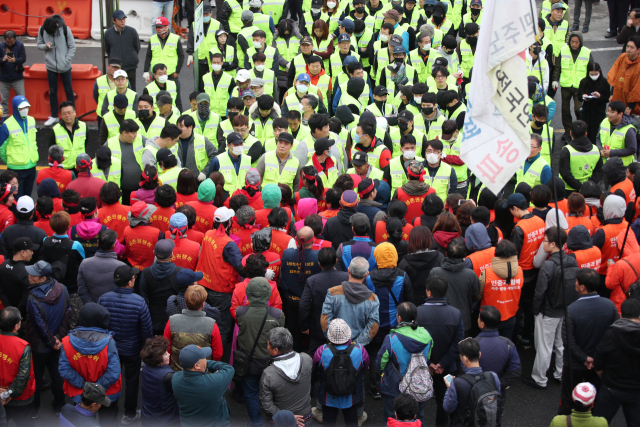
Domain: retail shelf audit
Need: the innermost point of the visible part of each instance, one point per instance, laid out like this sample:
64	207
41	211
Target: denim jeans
52	76
251	385
160	8
609	400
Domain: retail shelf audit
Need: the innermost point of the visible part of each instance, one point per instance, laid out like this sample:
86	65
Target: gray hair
312	101
281	339
359	267
424	34
537	138
56	153
429	29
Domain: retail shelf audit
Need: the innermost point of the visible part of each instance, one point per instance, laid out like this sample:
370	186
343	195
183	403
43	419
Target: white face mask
302	88
418	99
594	77
433	158
163	79
216	67
257	45
331	4
315	11
236	150
384	37
409	154
24	112
426	46
260	68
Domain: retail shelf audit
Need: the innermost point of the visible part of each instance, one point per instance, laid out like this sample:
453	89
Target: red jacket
621	274
87	186
7	217
239	297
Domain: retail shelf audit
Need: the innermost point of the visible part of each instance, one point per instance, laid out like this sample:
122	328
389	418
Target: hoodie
615	172
418	267
579	239
476	237
306	207
581	145
463	289
613	213
286	384
88	230
618	355
622	275
57	58
443	238
339	229
550	222
630	141
383	281
574	55
49	313
4	133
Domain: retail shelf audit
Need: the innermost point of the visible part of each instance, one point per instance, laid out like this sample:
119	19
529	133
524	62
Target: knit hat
48	187
245	214
386	255
339	332
271	196
140	213
284	418
207	191
584	393
349	199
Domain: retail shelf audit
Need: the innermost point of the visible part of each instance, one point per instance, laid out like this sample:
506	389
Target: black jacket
582	145
338	229
418	266
123	44
618	355
14	285
541	303
23	228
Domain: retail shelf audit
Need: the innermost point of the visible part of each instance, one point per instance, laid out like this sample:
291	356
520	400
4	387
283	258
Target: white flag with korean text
496	125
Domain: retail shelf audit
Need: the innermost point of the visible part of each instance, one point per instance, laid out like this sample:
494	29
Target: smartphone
449	378
10	54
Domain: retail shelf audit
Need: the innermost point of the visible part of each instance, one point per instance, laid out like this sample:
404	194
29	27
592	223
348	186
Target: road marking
602	49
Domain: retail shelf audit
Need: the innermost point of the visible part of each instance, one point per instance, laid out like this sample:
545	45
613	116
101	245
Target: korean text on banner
496	126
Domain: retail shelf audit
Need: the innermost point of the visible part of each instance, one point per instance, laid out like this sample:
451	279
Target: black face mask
143	114
232	114
539	123
398	60
429	11
203	111
438	19
475	12
403	126
379	104
472	41
427	110
360	9
536	50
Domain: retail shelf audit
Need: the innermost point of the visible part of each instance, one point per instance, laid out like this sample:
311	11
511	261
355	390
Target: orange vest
160	218
182	199
597	225
626	187
244	234
279	242
580	220
505	297
62	177
263	214
414	203
115	217
481	260
185	252
381	231
11	349
610	248
588	258
140	241
500	236
563	205
204	215
195	236
219	276
91	367
533	230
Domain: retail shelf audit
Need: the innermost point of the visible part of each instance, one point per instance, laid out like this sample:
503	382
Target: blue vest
388	307
358	246
290	271
91	245
325	360
159	406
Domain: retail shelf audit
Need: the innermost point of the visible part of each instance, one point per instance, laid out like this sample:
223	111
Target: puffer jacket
384	281
286	384
395	354
339	229
463	289
418	267
621	274
95	275
49	312
130	320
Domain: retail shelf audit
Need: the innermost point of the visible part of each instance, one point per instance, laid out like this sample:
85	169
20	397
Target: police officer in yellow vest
70	134
122	82
150	122
195	151
363	168
19	149
328	166
209	28
442	177
161	82
281	166
535	170
617	134
232	163
128	147
111	121
104	84
168	138
169	164
580	160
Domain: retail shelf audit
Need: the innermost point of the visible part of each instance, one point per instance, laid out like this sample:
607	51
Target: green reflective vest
113	127
247	33
582	164
261	21
268	76
209	39
545	151
170	176
272	144
363	41
461	171
138	148
415	60
440	182
557	38
452	66
571	73
381	59
435	126
395	135
219	95
287	51
170	86
454	13
534	70
272	173
210	130
229	54
115	171
328	178
397	173
379	16
154	152
363	99
274	9
226	128
532	175
263	131
391	86
373	157
467	57
167	55
322	47
374	173
71	148
292	102
155	128
233	181
299	64
248	143
22	148
131	97
389	109
269	52
308	19
103	88
335	62
235	23
615	140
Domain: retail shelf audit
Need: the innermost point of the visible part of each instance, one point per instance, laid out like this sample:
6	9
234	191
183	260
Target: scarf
538	96
400	78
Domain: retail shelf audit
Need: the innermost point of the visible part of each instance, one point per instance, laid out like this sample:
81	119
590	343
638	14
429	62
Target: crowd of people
306	231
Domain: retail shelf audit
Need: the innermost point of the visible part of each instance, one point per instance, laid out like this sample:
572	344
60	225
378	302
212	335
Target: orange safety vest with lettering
502	295
244	234
580	220
185	252
414	203
140	241
625	186
91	367
62	177
204	215
533	230
262	216
11	349
381	232
610	248
115	218
160	218
588	258
219	275
279	242
481	260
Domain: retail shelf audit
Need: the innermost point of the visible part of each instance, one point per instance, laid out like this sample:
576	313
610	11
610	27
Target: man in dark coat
338	229
22	228
14	279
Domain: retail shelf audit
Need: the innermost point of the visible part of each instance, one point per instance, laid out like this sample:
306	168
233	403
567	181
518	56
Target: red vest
140	242
181	199
626	187
76	218
580	220
57	204
481	260
610	248
502	295
219	276
160	218
62	177
274	262
381	231
11	349
319	244
533	230
588	258
185	252
234	226
91	367
204	215
195	236
244	234
414	203
263	214
279	242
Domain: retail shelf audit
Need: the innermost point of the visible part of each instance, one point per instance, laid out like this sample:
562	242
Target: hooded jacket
95	275
89	229
4	133
621	275
441	240
339	229
383	281
574	55
8	71
49	312
463	289
286	384
581	145
315	291
618	355
545	279
579	239
615	172
22	228
58	58
613	211
418	267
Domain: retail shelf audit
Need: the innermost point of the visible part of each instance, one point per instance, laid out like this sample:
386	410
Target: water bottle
6	394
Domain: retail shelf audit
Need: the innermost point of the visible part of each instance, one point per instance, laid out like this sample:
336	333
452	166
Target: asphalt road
525	407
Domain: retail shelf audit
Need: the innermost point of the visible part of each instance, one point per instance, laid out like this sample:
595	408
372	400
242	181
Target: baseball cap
380	91
347	23
306	40
115	61
366	186
120	101
40	268
247	16
399	49
235	138
252	177
221	32
304	77
395	41
163	154
243	75
120	73
187	277
339	332
163	99
24	244
162	21
206	8
359	159
286	136
248	92
190	355
349	59
405	116
255	3
124	273
441	61
558	5
25	204
203	97
584	393
223	214
516	200
140	209
359	219
95	393
24	104
476	2
323	144
164	248
344	37
118	14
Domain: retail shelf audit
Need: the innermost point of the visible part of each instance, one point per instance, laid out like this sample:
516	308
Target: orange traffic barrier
37	90
13	21
76	15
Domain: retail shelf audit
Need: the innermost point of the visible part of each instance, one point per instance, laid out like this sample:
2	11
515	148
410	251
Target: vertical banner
198	33
496	126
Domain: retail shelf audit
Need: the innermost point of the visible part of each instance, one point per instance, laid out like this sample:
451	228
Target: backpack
555	295
634	289
341	377
417	381
484	399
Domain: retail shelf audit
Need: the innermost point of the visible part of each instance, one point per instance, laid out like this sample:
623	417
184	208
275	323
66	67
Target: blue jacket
130	320
8	71
322	360
43	327
499	355
92	341
77	416
358	246
395	354
4	132
383	281
445	325
546	170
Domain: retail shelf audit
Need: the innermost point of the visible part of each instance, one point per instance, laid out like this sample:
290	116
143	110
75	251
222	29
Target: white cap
25	204
23	104
243	76
119	73
255	3
222	214
381	122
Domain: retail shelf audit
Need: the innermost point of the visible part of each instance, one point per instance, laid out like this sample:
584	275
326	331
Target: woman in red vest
256	265
432	207
616	175
186	252
165	200
204	206
251	189
150	181
311	188
190	213
113	214
576	216
479	246
581	248
280	239
246	217
260	244
622	274
397	209
55	171
414	192
140	237
316	223
70	201
44	211
271	197
49	188
186	189
332	198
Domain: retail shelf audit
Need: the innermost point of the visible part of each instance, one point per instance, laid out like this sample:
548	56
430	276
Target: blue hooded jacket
4	132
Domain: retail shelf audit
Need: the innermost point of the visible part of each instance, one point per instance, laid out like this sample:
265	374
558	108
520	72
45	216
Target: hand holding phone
449	378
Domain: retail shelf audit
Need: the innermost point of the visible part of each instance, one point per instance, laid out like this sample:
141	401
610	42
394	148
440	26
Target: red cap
162	21
139	209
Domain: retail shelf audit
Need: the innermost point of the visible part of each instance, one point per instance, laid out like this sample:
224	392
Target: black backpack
634	289
341	377
555	295
484	399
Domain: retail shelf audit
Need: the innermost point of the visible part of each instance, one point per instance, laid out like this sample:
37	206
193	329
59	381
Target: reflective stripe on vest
615	140
272	173
71	148
167	55
22	148
573	72
532	176
582	164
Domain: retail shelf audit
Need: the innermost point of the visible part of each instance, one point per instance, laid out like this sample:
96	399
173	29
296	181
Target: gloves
189	60
269	274
202	177
554	85
145	76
